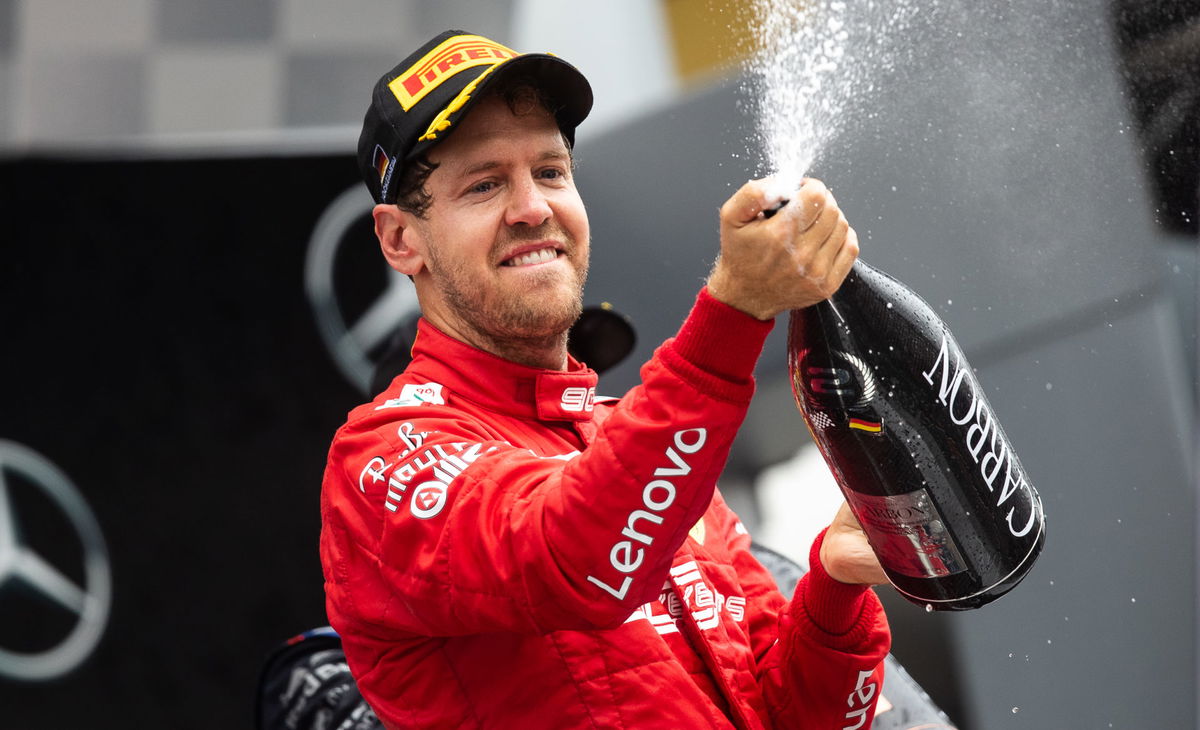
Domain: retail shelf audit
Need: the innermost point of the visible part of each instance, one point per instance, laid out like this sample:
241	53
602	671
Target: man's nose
528	204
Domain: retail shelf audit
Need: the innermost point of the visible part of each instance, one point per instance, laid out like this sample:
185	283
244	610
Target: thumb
748	202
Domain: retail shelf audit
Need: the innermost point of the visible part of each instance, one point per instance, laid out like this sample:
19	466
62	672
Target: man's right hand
791	260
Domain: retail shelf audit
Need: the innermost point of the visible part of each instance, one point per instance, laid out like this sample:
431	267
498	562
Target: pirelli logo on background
451	56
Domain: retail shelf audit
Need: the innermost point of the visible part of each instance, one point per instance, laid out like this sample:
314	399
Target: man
502	549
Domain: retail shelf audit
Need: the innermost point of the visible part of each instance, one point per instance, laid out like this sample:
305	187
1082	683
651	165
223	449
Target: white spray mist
819	61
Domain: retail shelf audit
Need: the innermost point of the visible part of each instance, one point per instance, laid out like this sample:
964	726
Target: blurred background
192	299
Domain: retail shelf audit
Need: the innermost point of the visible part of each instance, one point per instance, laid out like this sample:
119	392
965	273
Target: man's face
505	240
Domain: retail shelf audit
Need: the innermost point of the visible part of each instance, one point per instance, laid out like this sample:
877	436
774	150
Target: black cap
416	104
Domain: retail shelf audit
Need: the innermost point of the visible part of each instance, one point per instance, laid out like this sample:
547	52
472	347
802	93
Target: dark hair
522	94
411	195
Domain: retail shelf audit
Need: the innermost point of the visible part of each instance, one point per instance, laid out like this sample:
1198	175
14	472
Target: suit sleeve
484	536
820	655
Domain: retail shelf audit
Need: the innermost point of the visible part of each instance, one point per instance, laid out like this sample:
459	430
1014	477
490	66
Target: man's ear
399	239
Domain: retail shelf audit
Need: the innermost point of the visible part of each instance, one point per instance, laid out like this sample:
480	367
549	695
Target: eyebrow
492	164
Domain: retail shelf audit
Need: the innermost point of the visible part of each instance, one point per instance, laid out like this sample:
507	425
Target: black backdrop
159	349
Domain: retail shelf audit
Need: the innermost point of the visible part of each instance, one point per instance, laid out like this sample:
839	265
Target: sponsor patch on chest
688	592
416	394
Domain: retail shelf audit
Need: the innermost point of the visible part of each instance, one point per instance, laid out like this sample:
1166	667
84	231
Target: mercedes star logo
355	335
22	567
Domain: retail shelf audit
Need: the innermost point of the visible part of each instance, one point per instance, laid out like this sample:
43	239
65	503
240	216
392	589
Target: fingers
847	555
814	202
743	207
828	230
749	201
845	258
845	518
788	261
829	246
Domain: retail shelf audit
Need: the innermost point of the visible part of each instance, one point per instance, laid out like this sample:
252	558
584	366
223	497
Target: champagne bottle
920	456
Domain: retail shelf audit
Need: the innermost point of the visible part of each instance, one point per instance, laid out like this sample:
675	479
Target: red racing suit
502	550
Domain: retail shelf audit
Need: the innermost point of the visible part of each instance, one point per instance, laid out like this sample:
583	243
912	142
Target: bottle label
908	534
997	466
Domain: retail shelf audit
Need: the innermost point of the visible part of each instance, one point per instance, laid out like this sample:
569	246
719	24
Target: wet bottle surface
896	411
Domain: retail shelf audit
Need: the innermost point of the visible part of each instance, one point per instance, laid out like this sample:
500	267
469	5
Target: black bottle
903	424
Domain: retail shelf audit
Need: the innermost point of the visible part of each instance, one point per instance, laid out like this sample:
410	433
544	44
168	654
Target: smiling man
501	548
500	261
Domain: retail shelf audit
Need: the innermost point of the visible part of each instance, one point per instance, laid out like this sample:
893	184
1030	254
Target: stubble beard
517	325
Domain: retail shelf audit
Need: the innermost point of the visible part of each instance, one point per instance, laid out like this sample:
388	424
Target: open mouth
529	258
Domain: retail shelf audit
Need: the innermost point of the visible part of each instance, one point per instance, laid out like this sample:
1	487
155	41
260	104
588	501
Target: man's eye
551	173
483	187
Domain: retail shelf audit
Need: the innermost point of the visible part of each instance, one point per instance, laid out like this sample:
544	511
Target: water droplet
949	301
889	305
1016	710
1049	386
928	608
1133	600
1010	655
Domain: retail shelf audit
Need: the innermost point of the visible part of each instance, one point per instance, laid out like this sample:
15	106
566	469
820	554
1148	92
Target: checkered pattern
90	71
208	74
820	421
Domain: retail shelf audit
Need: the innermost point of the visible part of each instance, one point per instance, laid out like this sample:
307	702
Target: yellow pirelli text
450	57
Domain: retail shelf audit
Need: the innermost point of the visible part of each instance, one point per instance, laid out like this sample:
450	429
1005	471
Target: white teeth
540	256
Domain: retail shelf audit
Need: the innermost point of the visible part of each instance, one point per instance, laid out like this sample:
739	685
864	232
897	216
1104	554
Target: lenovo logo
625	557
859	701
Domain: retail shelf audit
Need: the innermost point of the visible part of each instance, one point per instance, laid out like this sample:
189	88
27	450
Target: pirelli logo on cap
451	56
